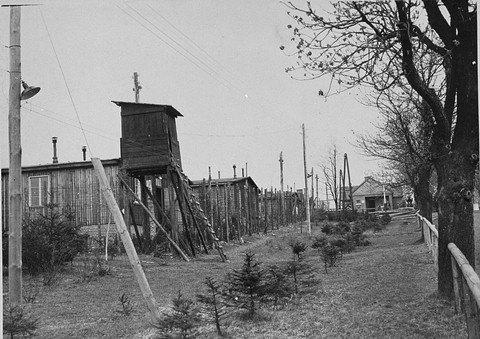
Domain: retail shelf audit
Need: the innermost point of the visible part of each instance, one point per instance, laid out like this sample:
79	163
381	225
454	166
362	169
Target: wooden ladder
193	205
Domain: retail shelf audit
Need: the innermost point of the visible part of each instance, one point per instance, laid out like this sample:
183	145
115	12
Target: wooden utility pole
349	182
15	164
313	191
307	204
316	197
126	240
342	190
282	197
136	87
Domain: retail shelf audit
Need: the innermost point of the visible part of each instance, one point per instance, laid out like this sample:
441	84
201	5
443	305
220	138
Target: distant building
371	194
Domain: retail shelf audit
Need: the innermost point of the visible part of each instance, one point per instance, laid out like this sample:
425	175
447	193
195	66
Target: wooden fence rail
430	234
466	283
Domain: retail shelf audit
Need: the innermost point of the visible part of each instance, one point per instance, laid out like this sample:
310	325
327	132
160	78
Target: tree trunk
455	216
457	163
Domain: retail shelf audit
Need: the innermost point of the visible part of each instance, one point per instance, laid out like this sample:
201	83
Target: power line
65	81
185	49
69	124
196	64
227	84
215	61
94	127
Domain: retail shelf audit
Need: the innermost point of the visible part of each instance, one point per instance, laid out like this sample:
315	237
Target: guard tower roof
168	109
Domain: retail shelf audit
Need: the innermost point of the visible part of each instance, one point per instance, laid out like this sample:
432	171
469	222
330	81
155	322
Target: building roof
223	181
64	165
373	187
170	110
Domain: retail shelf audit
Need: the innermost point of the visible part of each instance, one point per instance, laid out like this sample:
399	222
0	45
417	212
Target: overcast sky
238	103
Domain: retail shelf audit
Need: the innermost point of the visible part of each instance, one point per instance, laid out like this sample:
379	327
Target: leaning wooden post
126	240
159	226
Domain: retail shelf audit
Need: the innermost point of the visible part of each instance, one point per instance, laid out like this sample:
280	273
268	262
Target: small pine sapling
302	275
277	286
319	243
212	300
298	247
245	286
330	255
127	307
17	321
185	317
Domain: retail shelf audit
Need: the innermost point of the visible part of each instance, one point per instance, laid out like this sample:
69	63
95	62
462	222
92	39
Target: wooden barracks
149	147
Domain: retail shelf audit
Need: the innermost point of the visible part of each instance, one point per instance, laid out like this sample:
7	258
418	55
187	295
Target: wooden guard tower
149	133
149	148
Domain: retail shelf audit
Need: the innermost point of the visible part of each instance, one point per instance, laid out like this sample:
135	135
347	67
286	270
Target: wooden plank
160	227
127	241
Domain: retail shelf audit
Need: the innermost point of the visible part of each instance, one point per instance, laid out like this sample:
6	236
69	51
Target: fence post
435	249
471	312
457	286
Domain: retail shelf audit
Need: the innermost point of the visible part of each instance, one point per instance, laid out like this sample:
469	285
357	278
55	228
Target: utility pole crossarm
136	87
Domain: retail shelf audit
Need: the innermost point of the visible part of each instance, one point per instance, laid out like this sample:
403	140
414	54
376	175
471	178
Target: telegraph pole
15	164
313	191
282	198
307	203
136	87
316	179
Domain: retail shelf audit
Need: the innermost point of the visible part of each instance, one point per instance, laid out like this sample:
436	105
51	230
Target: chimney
243	173
84	152
234	171
246	169
54	142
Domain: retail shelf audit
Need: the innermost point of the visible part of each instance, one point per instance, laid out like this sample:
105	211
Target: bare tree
378	44
330	172
405	141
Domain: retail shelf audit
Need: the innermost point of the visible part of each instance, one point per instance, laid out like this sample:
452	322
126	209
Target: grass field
383	290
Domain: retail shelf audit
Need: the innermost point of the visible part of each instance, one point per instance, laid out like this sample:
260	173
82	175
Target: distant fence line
466	283
235	211
238	210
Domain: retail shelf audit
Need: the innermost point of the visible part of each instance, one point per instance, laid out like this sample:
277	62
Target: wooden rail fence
466	283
